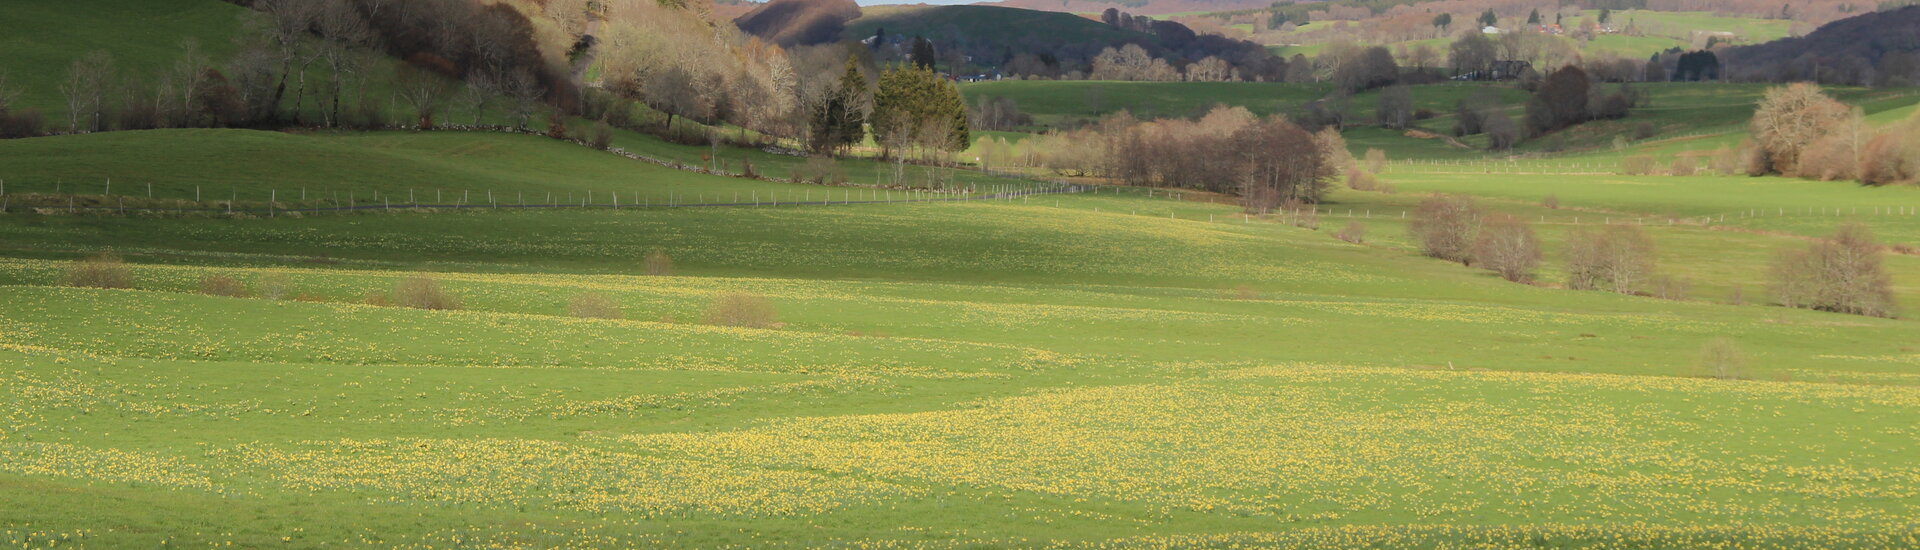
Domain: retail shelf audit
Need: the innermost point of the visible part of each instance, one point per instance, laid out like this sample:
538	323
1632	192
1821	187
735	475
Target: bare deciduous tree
1618	259
1840	274
523	97
286	27
342	31
1396	107
1791	118
86	91
1445	225
423	90
1721	358
1508	246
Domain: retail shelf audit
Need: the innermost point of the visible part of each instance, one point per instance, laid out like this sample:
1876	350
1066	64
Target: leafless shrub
657	263
1301	214
1242	292
223	285
1721	358
273	286
423	293
1508	246
1552	202
821	170
1668	287
1840	274
594	305
1726	161
740	309
104	270
1644	130
1682	166
1616	259
1637	165
600	136
1444	225
1376	161
1359	180
1355	233
22	123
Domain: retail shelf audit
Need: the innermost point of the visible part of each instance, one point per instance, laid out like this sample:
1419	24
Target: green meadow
1110	368
1098	369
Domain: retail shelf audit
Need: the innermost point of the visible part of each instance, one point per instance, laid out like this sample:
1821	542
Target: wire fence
1565	217
754	199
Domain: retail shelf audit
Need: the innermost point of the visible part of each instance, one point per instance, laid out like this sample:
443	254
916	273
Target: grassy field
1055	101
1118	368
338	168
1685	117
940	375
1639	33
43	39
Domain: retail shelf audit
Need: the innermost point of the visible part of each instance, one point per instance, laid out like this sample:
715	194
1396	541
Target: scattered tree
916	107
1396	107
1508	246
1444	226
1374	67
1842	274
1618	258
86	86
422	88
1788	120
1560	101
1721	358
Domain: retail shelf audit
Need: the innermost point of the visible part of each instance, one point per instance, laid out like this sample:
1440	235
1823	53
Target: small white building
1489	29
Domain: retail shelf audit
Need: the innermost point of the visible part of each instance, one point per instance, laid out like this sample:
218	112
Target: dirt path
581	65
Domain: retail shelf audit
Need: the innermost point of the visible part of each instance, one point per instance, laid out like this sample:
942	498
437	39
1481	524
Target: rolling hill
1116	368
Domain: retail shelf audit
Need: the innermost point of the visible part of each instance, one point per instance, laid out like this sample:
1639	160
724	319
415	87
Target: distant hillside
792	22
1850	50
993	37
1019	29
1141	7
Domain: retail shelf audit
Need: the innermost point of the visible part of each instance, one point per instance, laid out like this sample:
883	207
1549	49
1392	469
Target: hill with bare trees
793	22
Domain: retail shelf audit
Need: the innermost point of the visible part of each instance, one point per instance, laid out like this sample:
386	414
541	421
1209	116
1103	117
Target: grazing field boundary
39	202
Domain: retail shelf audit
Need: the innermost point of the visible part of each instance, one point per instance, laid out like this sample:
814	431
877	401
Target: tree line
1266	162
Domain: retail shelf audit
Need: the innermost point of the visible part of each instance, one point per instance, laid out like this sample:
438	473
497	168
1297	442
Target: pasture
848	364
942	375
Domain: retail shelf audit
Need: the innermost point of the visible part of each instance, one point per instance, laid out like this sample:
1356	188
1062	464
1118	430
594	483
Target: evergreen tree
922	54
915	107
1533	18
839	120
1489	19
